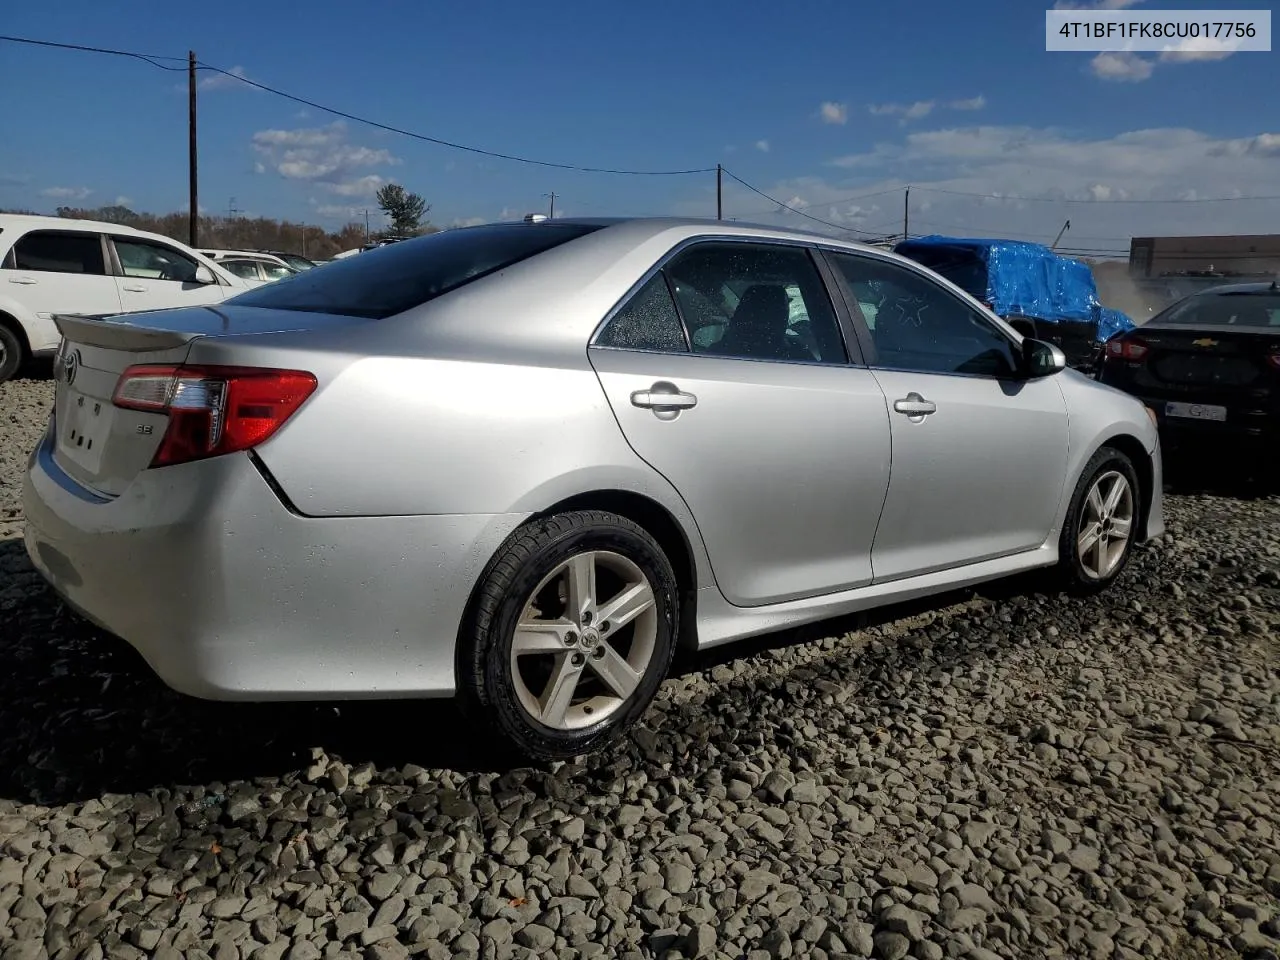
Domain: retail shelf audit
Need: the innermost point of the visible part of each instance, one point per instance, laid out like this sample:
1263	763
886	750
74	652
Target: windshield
1227	310
396	277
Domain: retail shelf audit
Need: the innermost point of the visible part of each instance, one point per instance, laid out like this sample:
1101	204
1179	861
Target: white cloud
1121	67
221	81
323	156
123	201
66	193
1263	145
762	146
468	221
361	187
908	111
1195	49
922	108
972	180
836	113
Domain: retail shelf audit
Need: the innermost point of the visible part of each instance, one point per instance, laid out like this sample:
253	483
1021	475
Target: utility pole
552	195
719	192
194	200
366	225
906	214
1065	227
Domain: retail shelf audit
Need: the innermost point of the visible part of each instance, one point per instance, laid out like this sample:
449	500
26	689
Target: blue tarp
1112	322
1019	278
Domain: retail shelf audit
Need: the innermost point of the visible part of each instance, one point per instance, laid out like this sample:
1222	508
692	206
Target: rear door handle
915	406
134	289
663	396
23	280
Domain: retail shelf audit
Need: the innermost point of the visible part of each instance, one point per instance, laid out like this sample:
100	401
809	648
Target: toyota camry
523	463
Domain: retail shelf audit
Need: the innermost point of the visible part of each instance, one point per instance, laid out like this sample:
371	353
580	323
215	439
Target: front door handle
663	398
134	289
915	407
23	280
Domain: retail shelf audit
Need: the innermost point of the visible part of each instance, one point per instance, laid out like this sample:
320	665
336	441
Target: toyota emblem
70	367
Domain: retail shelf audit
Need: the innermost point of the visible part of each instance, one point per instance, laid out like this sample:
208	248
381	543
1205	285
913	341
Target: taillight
1127	348
212	410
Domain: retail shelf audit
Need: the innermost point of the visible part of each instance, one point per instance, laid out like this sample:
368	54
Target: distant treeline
232	233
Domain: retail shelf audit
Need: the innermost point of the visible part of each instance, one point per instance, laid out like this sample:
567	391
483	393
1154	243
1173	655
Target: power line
996	196
786	206
1013	235
150	58
827	203
448	143
364	120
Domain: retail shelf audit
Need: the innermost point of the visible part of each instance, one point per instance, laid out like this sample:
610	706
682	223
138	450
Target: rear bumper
228	595
1249	419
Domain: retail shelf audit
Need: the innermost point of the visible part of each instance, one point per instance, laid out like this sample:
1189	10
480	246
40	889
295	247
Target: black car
1208	365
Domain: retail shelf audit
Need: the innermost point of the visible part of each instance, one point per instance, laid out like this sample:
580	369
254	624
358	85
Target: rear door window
756	301
59	251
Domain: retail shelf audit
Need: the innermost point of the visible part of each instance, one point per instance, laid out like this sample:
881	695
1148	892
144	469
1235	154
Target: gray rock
677	878
891	946
777	784
536	937
900	918
700	942
1086	859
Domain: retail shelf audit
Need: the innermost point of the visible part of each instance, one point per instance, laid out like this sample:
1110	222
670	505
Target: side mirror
204	275
1040	359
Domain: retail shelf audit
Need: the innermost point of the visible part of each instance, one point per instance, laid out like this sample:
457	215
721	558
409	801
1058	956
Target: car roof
67	223
642	228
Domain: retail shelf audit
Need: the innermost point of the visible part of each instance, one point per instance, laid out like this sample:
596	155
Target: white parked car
256	268
53	265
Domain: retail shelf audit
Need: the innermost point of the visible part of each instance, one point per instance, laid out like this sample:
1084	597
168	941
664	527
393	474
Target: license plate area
82	428
1195	411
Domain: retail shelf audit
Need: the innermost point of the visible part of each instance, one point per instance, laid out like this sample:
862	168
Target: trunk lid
104	447
1220	360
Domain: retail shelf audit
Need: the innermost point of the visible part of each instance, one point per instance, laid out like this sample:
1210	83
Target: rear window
1227	310
966	270
399	276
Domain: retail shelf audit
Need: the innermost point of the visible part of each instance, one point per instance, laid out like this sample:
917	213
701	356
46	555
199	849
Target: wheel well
13	326
1132	448
660	525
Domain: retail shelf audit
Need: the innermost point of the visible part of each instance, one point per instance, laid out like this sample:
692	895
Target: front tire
572	631
1101	523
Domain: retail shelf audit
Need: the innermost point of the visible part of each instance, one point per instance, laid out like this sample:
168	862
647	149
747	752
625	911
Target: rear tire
10	354
571	633
1101	523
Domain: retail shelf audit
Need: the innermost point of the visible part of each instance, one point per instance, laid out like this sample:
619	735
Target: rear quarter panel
481	402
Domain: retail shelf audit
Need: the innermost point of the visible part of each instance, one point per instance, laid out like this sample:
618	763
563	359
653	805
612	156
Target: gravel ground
1000	774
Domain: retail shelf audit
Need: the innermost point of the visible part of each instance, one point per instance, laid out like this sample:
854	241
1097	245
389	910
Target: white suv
51	265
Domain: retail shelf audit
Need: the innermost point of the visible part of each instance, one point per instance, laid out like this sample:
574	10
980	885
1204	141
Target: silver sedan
522	463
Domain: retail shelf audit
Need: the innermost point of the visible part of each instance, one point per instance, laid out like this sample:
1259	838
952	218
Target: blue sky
944	96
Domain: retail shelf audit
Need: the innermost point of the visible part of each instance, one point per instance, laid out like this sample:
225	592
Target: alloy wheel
584	640
1106	525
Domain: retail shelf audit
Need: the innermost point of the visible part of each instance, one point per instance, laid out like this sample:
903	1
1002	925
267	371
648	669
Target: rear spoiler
119	333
